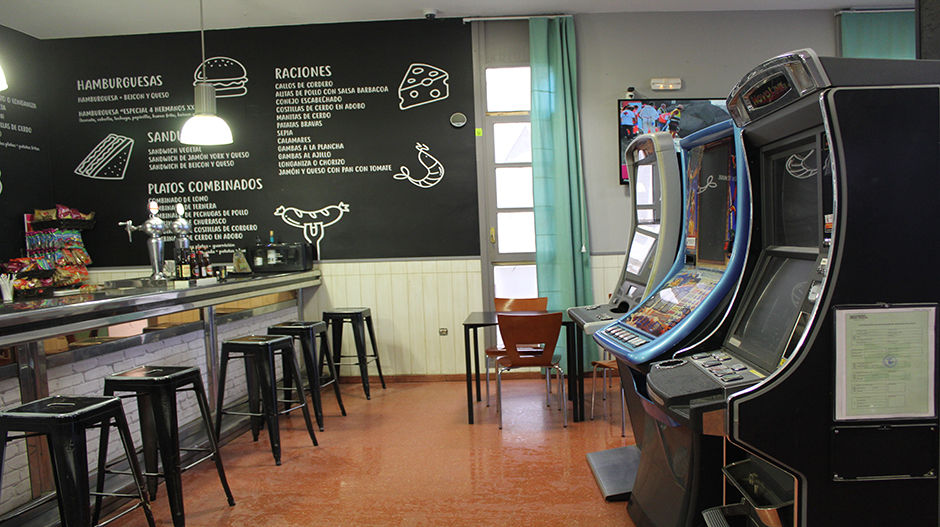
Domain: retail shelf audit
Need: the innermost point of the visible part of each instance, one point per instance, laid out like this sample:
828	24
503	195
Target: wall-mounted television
679	117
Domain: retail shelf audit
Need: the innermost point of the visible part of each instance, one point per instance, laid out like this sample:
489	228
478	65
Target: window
509	171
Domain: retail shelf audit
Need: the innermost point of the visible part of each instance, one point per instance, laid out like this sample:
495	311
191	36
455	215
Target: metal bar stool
259	352
306	332
156	388
360	318
64	421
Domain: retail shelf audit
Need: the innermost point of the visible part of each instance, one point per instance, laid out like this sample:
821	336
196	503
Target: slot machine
823	391
656	194
688	306
656	198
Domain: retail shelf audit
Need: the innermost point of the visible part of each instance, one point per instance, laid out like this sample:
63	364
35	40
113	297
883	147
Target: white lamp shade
205	129
3	81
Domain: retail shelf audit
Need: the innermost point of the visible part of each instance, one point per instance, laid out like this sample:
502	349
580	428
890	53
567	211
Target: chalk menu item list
336	144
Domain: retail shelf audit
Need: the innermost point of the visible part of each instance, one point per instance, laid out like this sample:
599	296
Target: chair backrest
523	333
521	304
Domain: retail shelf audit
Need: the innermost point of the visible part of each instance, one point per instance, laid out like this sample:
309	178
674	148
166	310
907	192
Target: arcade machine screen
710	216
640	250
678	117
767	321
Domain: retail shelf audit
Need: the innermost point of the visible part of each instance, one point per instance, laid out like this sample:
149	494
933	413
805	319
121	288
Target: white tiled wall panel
411	301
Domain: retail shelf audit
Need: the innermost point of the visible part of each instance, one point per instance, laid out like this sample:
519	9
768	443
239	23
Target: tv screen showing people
678	117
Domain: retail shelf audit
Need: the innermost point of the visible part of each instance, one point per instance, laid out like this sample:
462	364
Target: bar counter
36	319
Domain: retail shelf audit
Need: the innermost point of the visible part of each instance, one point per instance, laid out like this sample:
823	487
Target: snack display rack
56	260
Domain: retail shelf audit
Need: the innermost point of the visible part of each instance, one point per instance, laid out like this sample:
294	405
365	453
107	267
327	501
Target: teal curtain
562	254
878	35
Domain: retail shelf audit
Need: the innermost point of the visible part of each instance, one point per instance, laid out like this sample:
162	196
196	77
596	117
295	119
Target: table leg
579	345
476	359
575	342
466	344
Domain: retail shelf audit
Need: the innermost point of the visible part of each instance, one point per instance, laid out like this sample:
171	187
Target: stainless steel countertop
35	319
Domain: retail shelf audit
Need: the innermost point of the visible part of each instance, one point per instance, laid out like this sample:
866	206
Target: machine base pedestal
615	471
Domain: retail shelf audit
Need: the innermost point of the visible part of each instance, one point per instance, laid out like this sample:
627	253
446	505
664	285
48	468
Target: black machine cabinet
883	171
826	380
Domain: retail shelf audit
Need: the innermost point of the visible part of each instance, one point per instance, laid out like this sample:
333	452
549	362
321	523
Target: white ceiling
82	18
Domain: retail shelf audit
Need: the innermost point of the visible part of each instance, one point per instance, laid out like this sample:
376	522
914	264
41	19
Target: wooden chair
609	365
493	352
530	340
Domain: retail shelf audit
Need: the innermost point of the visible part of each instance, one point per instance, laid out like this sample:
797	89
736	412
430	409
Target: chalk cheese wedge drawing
434	168
421	85
108	160
312	222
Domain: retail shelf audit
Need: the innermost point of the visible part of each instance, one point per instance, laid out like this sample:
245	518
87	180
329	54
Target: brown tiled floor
408	457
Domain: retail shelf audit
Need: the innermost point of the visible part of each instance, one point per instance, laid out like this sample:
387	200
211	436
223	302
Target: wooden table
574	369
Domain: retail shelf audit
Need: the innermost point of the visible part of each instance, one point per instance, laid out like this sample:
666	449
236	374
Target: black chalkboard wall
342	138
24	149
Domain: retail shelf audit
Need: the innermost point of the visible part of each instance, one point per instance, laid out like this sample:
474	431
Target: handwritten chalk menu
342	138
24	157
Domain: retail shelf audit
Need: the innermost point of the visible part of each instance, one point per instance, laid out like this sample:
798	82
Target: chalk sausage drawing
312	222
434	168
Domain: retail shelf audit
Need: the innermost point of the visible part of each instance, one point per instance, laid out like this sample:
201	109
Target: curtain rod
512	17
875	10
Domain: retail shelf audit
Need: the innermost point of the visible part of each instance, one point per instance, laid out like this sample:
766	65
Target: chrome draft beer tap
180	227
154	228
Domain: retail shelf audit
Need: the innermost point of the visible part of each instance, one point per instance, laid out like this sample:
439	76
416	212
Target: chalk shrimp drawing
435	170
312	222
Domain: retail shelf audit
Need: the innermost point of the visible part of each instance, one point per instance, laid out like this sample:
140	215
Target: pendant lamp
3	80
205	127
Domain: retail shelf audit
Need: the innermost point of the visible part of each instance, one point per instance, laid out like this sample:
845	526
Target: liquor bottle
203	264
194	264
258	258
183	270
206	263
272	253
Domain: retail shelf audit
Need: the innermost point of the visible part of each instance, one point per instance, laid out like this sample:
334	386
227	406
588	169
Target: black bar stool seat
359	318
259	352
156	388
307	332
64	421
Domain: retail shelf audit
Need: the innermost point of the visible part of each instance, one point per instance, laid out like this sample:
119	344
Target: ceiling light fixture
3	80
205	127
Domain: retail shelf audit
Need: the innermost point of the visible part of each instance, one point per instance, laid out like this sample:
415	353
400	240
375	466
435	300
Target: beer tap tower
153	227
